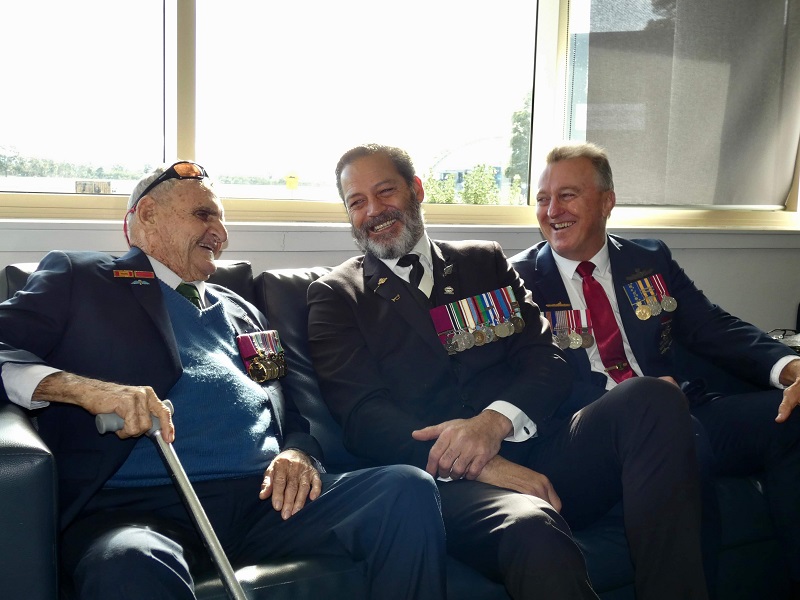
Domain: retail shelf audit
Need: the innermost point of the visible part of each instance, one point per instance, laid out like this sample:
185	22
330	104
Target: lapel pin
448	270
396	298
139	282
449	290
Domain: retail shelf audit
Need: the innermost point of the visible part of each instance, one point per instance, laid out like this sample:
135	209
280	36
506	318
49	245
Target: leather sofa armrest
28	510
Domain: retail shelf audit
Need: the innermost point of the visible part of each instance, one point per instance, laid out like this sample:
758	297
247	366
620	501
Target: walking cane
107	423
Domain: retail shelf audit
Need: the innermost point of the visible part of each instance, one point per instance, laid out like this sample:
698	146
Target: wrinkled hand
464	446
135	404
506	474
291	479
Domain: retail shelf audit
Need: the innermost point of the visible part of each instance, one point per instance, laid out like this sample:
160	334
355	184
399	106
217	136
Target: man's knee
133	562
536	532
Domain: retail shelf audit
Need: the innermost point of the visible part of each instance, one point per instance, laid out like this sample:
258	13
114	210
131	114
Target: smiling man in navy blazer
95	334
655	304
442	374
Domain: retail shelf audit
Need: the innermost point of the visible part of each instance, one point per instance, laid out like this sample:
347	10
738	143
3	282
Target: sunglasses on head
183	169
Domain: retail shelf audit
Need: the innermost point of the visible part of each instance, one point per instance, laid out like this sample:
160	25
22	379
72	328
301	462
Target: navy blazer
83	312
384	372
697	324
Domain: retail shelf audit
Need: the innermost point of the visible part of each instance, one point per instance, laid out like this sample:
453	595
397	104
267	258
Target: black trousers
635	444
746	440
140	543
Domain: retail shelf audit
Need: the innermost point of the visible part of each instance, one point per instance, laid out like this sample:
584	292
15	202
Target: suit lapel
389	287
548	283
147	291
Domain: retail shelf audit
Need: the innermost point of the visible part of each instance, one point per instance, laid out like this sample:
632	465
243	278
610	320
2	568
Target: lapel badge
448	270
381	281
558	305
139	282
396	298
449	290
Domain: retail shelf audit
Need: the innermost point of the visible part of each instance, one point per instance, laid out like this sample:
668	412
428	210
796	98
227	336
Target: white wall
754	275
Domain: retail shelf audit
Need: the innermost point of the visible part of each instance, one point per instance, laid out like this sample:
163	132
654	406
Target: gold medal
643	312
479	336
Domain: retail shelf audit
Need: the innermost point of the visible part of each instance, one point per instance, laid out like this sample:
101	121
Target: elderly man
432	354
95	334
634	300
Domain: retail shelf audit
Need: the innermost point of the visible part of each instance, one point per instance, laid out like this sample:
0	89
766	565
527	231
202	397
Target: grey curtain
697	101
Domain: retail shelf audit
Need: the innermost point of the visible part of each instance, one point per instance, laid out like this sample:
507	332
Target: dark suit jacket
384	372
75	315
697	324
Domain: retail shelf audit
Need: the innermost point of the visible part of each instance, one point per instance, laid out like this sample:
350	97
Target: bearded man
433	354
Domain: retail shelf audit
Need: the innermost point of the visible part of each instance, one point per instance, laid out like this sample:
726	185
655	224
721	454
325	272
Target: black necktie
412	260
188	291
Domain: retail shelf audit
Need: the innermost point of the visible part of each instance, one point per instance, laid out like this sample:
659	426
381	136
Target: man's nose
374	206
554	207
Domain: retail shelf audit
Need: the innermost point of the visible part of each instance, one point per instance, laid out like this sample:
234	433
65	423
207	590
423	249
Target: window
696	102
285	88
82	109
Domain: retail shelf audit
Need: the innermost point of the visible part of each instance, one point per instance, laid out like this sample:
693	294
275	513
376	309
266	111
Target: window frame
548	98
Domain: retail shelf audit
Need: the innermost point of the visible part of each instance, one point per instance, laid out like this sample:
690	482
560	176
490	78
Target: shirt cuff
775	373
20	381
523	428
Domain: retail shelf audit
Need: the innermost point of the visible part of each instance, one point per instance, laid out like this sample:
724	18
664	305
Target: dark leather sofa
751	564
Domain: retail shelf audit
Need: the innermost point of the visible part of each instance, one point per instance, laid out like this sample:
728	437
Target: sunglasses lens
188	170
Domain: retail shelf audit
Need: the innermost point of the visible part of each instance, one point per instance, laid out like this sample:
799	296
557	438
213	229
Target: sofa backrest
281	295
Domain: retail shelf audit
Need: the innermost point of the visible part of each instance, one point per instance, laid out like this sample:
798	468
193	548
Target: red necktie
606	331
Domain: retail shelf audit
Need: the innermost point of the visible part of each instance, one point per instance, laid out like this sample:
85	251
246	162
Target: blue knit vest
224	426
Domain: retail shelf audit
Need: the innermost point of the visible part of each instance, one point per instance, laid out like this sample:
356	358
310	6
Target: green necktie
188	291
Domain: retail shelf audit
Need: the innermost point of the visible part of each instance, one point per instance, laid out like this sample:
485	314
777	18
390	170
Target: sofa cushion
281	294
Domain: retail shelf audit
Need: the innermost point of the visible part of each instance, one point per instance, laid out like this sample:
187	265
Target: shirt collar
169	277
601	260
422	248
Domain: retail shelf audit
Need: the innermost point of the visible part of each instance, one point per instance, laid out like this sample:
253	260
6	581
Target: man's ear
419	191
145	210
609	202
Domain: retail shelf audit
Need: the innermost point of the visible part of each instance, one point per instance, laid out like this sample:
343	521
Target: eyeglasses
183	169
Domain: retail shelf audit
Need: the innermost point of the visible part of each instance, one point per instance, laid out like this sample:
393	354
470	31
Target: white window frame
180	17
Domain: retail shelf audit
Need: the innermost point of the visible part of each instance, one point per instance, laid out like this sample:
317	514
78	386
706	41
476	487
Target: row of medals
574	340
266	367
463	339
652	307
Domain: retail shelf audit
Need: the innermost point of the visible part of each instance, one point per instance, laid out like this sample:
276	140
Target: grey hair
594	153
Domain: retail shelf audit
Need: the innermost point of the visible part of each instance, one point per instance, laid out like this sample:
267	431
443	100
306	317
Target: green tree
480	186
520	144
515	190
440	191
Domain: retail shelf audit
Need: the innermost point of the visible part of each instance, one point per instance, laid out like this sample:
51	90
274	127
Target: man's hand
464	446
506	474
670	379
291	479
790	376
135	404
